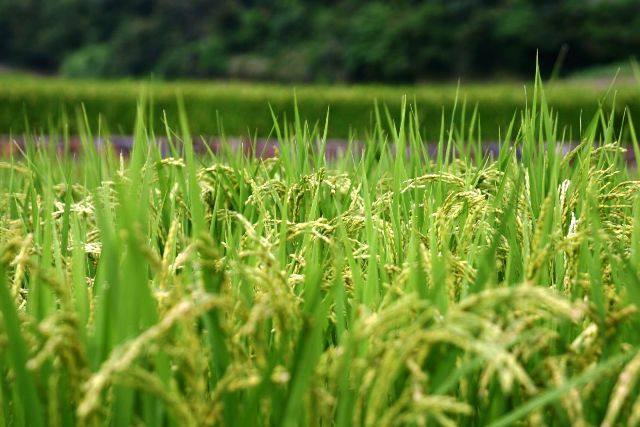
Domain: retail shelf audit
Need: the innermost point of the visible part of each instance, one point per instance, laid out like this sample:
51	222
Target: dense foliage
373	289
320	40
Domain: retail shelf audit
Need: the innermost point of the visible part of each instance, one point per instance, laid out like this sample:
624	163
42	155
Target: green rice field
45	104
383	287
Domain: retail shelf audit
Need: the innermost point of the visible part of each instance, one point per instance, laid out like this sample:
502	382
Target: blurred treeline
315	40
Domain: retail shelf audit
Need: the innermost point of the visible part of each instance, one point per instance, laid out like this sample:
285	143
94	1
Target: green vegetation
372	289
316	40
623	70
244	107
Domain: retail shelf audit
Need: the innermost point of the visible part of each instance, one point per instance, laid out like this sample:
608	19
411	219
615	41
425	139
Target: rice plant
384	287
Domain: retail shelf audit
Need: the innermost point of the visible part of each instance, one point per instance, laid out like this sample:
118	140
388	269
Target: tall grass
378	288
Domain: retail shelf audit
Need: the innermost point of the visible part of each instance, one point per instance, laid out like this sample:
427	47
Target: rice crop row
48	101
371	289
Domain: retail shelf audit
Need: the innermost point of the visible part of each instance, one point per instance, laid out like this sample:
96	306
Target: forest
317	40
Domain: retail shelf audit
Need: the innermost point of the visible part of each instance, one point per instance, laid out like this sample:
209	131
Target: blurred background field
244	108
237	58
